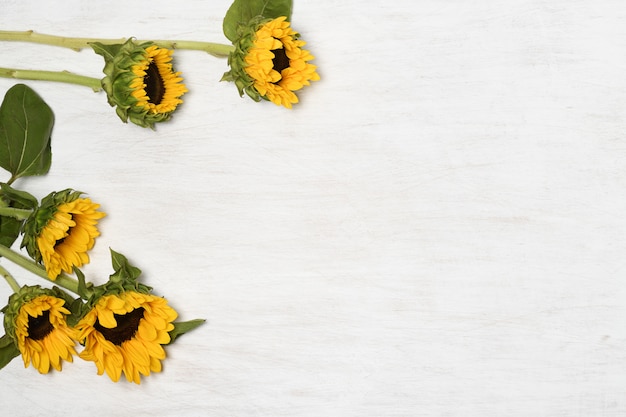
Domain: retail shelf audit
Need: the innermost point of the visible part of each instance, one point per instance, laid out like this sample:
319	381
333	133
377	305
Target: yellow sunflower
157	87
125	333
140	81
269	62
61	232
42	335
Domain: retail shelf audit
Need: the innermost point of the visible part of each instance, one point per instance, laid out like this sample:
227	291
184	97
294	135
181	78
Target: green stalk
59	76
215	49
12	282
73	43
62	280
19	214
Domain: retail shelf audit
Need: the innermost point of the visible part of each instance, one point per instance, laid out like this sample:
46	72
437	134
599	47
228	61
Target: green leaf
26	124
242	11
20	199
122	267
77	310
10	227
9	230
182	327
82	284
8	351
108	52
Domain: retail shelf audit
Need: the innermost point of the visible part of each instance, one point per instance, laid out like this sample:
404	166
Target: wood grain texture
436	230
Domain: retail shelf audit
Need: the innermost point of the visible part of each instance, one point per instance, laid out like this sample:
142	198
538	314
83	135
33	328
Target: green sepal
124	278
107	51
77	310
118	75
10	227
113	60
236	59
241	12
182	327
26	123
84	287
76	306
8	350
124	271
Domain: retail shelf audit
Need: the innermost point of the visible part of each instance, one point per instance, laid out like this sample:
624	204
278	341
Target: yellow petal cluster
157	87
125	333
43	337
278	64
68	236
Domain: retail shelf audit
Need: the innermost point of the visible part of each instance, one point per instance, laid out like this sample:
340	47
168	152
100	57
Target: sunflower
157	87
61	232
269	62
125	332
140	81
35	319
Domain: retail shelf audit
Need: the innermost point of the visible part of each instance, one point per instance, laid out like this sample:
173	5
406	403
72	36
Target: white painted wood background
438	229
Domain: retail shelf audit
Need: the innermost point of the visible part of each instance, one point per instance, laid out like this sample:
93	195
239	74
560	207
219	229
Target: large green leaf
9	230
25	127
10	227
19	198
8	351
242	11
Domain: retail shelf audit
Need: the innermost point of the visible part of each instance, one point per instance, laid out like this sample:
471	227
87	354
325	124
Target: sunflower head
123	327
35	319
269	63
140	81
125	332
61	231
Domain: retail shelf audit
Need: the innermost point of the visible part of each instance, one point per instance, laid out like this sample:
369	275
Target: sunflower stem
59	76
215	49
72	43
62	280
19	214
9	278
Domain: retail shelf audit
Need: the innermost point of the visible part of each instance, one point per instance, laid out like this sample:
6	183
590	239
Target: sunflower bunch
121	325
266	59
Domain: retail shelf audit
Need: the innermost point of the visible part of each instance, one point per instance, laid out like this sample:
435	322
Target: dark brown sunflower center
155	87
127	325
280	60
40	326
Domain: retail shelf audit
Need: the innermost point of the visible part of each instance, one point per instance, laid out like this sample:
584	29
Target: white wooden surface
438	228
